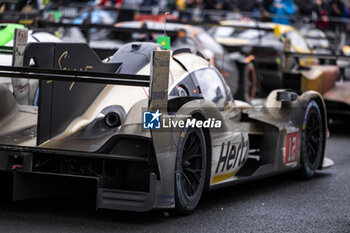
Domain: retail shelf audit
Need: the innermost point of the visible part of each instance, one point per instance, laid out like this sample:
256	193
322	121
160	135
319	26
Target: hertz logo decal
231	157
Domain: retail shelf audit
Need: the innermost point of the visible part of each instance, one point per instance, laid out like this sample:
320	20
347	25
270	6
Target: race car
316	38
286	60
149	148
236	33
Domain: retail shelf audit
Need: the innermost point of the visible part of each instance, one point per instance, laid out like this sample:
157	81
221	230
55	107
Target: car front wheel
312	140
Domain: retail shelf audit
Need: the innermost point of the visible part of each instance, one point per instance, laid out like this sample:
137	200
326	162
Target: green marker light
164	41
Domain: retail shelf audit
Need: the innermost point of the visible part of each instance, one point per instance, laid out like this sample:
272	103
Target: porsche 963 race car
153	129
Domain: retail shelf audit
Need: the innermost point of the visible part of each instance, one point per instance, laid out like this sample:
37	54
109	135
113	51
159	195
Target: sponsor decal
22	37
21	87
65	57
231	158
20	42
291	150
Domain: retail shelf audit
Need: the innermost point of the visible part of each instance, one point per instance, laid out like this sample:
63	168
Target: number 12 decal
291	148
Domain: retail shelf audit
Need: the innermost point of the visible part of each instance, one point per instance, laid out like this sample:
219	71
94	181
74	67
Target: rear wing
75	76
65	90
60	102
102	53
52	118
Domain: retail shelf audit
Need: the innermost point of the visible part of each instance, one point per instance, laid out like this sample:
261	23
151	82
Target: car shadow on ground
84	207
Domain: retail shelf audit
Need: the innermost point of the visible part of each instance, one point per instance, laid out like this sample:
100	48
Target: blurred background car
269	42
23	89
239	70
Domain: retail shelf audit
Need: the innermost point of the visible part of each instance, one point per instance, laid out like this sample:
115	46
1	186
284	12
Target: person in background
24	6
188	4
183	5
336	9
246	5
219	4
149	3
283	10
322	14
306	7
264	9
126	9
296	11
347	27
193	3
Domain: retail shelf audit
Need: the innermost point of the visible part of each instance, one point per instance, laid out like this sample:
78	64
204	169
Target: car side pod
286	96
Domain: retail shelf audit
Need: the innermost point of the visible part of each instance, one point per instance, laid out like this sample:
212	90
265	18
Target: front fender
294	111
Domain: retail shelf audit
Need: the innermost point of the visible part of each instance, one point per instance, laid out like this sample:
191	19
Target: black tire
312	140
248	83
190	170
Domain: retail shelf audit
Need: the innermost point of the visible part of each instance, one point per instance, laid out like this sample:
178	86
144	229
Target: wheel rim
251	83
192	166
313	138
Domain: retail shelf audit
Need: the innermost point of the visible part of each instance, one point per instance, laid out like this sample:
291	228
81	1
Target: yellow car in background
269	43
254	33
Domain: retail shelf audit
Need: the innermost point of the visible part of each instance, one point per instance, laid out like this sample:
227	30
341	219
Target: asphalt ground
277	204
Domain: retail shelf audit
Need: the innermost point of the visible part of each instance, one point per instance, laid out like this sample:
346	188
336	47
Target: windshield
208	41
297	41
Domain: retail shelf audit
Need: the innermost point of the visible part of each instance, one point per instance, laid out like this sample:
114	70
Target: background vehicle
317	39
23	89
239	70
279	50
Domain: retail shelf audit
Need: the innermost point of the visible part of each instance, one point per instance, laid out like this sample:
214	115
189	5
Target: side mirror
286	96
